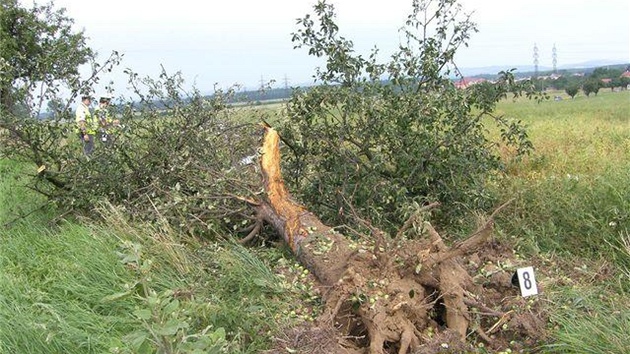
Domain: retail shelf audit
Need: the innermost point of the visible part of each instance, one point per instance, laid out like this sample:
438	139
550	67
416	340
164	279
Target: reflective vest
83	114
105	120
102	114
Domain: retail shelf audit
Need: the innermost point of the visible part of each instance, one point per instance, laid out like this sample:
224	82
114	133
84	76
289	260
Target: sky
245	41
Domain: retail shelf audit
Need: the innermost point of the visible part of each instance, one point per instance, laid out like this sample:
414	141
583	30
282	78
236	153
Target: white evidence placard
527	281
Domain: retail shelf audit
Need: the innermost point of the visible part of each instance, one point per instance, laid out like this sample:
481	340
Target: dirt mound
500	318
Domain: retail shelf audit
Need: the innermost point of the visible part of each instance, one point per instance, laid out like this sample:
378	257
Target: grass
52	280
53	283
573	194
122	288
590	321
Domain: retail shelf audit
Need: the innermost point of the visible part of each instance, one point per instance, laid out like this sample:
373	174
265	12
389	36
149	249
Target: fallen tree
387	294
407	137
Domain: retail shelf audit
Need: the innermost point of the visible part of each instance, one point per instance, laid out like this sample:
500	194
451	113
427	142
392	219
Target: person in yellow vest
105	121
86	124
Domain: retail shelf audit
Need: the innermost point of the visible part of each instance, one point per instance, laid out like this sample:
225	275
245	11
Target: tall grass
52	285
590	321
52	280
125	288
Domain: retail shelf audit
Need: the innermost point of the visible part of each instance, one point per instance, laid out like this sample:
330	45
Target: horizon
250	90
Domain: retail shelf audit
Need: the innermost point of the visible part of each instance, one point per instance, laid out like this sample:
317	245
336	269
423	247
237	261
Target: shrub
591	86
572	90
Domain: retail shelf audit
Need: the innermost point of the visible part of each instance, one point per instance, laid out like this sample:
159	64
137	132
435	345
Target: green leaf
143	314
145	348
218	335
171	307
171	327
116	296
136	339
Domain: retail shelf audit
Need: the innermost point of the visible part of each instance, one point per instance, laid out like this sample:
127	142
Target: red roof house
467	81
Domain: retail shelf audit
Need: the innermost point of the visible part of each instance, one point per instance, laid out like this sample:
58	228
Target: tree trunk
387	290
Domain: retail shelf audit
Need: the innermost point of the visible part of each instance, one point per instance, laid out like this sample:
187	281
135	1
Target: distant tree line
257	96
588	82
572	81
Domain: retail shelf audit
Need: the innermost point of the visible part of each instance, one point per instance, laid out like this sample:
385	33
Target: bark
310	240
385	291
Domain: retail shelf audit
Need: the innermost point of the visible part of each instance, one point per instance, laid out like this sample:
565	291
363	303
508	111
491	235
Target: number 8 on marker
527	282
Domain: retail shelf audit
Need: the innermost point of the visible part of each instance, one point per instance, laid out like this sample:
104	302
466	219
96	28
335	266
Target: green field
572	215
572	191
85	287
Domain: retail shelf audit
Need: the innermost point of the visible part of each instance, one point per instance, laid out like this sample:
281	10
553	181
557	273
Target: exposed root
338	299
483	335
505	318
486	310
451	277
414	218
253	233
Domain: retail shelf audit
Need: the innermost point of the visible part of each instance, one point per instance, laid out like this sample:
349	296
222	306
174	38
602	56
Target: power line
535	60
286	82
554	55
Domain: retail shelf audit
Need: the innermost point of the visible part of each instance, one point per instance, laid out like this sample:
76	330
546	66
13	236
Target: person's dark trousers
88	146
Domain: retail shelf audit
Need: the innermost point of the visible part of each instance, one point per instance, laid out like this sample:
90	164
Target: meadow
79	286
575	183
572	215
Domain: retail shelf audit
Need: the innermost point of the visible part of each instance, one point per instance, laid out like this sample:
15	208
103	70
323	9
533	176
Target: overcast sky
238	41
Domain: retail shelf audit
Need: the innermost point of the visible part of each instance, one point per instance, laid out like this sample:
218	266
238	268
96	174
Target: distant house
606	81
555	76
465	82
626	75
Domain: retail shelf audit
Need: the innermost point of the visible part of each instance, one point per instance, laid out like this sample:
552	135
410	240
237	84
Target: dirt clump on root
380	292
